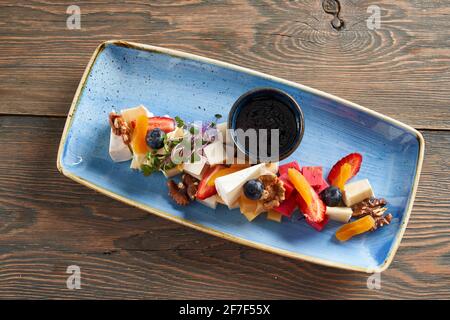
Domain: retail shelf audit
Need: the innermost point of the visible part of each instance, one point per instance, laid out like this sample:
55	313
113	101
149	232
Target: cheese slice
195	169
118	150
229	187
270	168
176	134
341	214
252	212
235	205
224	134
274	216
131	114
356	192
137	161
215	153
209	202
173	172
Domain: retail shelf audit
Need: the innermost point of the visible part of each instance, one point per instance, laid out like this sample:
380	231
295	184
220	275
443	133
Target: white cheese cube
209	202
195	169
341	214
131	114
229	187
356	192
215	153
118	150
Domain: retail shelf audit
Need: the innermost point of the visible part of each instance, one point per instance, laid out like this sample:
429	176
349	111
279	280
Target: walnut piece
191	185
178	192
381	221
274	192
120	127
375	208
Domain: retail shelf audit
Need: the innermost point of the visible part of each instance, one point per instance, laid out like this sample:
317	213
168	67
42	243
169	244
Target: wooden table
48	222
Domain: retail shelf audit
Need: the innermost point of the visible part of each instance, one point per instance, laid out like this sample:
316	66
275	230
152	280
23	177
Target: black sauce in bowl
268	108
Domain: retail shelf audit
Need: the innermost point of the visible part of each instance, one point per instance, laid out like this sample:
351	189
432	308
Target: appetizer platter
154	128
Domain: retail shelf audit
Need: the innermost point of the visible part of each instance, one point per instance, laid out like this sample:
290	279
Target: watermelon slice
287	207
313	175
288	187
283	169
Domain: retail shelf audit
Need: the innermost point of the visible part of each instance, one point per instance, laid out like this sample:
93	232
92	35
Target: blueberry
332	196
155	138
253	189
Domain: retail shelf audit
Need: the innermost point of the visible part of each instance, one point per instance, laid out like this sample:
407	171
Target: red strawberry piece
166	124
288	187
288	206
313	175
204	190
283	169
354	159
315	212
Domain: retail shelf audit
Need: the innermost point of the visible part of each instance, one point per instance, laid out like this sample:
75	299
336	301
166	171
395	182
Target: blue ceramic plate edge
214	232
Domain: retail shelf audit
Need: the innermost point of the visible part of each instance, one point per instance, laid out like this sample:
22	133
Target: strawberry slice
166	124
283	169
288	187
288	206
204	189
315	212
335	177
308	200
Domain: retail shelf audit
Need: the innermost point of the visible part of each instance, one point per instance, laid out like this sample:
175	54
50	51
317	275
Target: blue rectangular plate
122	74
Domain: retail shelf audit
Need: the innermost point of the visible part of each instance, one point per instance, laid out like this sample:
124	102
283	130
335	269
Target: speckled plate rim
214	232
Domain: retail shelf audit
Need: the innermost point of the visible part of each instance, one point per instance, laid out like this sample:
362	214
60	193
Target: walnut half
178	192
274	192
120	127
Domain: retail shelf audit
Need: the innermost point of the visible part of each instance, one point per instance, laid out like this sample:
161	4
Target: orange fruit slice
301	185
138	142
354	228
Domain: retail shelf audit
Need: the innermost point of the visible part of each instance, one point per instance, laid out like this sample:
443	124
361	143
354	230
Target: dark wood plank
48	222
401	70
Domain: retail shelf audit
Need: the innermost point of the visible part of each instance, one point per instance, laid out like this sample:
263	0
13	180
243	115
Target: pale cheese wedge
137	161
195	169
356	192
215	153
229	187
210	202
224	134
131	114
270	168
118	150
178	133
341	214
235	205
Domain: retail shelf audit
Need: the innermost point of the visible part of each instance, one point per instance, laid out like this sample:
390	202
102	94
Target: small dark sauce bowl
251	99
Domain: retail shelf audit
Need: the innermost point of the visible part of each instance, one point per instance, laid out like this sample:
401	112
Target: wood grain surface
48	222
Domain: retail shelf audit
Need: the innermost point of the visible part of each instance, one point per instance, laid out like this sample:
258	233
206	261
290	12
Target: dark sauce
268	112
